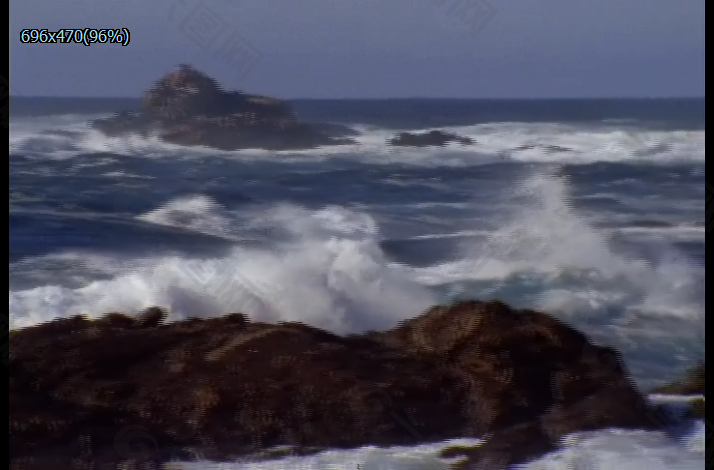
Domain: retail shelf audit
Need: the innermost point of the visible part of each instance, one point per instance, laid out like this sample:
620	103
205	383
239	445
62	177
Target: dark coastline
472	369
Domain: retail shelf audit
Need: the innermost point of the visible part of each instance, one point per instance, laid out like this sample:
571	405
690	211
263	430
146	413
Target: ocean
591	210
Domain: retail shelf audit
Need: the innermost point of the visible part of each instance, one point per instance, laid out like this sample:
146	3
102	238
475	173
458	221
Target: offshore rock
121	391
187	107
435	138
692	385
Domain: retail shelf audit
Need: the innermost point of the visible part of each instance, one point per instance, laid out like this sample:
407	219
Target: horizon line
640	98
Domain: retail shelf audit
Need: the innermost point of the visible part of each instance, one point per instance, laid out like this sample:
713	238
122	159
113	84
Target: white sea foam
525	142
329	263
198	213
547	238
600	450
330	273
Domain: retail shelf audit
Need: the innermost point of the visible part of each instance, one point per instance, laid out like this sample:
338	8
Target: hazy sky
371	48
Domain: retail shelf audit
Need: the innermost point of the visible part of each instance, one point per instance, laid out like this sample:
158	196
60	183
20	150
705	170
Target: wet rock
151	317
428	139
226	388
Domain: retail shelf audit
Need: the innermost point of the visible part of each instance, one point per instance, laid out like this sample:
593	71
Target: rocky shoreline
134	392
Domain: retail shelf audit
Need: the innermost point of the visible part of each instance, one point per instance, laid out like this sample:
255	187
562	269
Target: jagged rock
189	108
428	139
224	388
151	317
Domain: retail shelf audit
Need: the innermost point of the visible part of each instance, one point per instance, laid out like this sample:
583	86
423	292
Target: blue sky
372	48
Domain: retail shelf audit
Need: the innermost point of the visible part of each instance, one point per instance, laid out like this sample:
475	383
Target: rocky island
691	386
434	138
187	107
136	391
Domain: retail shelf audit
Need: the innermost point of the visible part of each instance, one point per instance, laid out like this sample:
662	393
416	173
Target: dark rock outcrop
141	391
428	139
693	383
188	108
